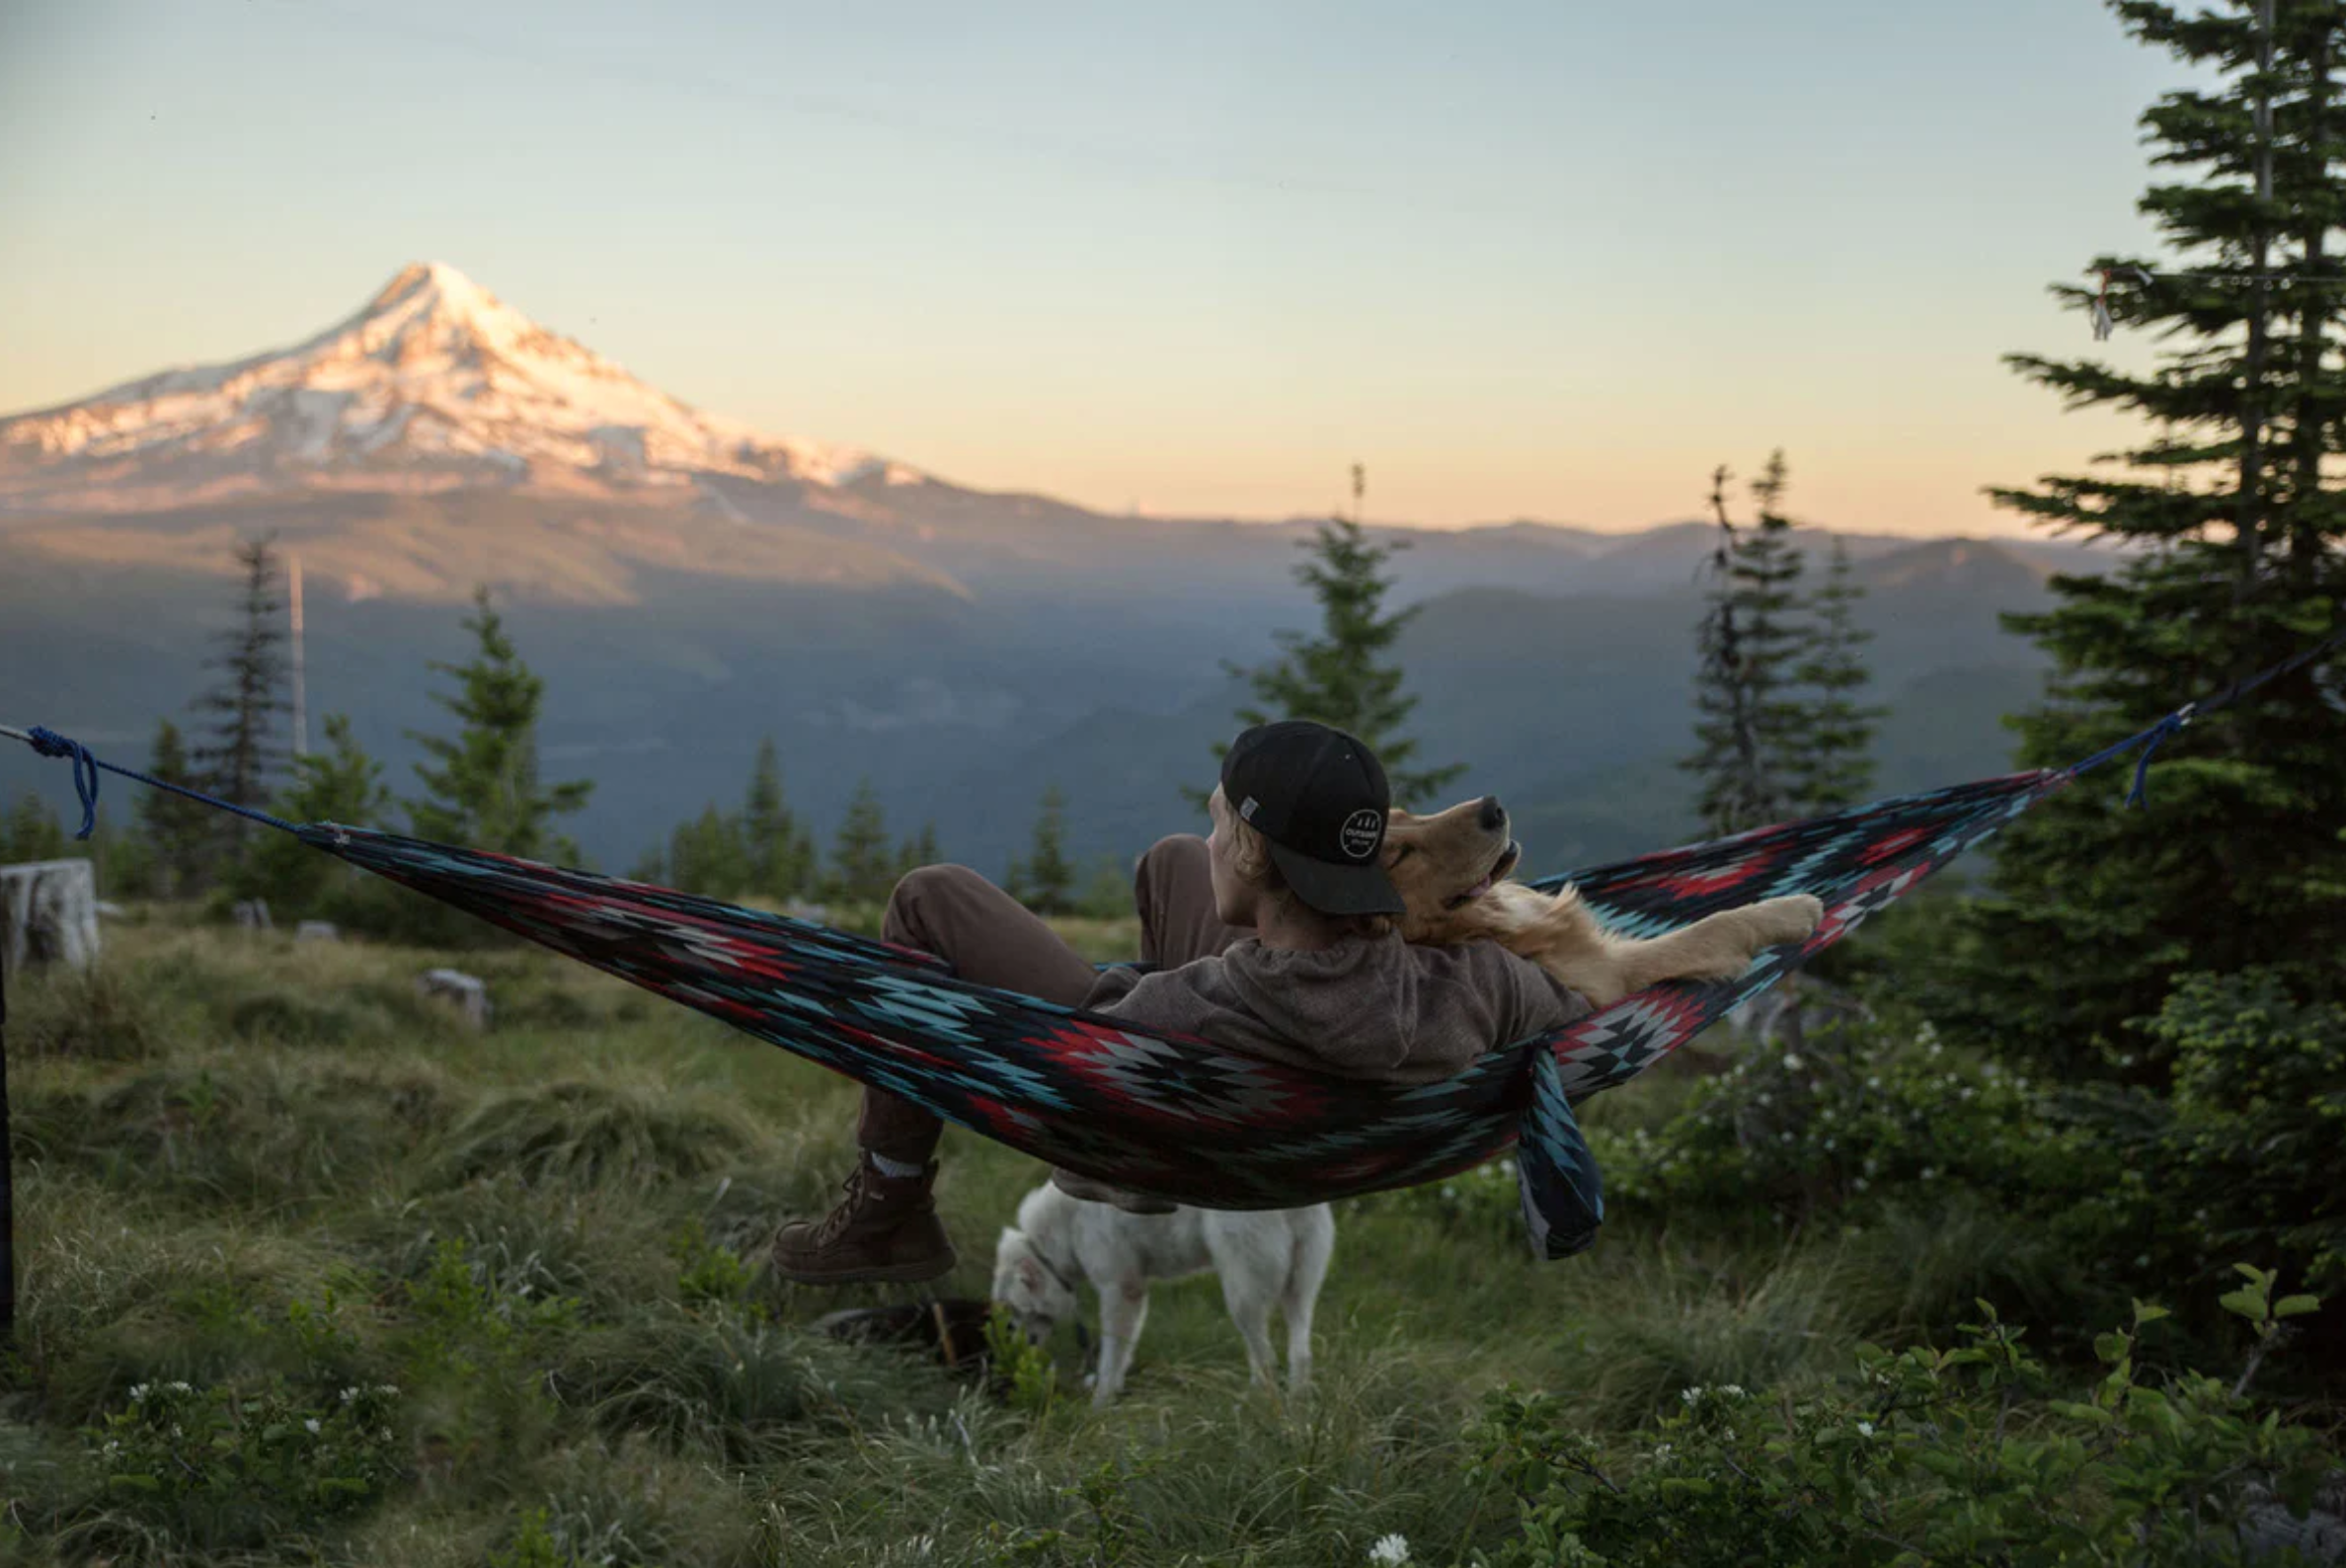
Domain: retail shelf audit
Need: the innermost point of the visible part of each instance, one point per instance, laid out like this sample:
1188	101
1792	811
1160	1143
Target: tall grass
271	1168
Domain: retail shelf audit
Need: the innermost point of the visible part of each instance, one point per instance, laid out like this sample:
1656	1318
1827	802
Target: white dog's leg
1124	1308
1315	1241
1249	1289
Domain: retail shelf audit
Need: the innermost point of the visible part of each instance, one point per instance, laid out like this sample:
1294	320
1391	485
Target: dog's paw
1788	919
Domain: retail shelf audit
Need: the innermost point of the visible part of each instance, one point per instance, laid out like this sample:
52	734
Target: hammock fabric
1170	1113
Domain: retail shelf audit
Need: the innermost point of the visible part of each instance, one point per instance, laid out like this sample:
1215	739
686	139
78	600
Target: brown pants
992	939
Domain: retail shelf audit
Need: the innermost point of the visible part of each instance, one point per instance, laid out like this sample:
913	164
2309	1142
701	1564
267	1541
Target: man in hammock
1272	938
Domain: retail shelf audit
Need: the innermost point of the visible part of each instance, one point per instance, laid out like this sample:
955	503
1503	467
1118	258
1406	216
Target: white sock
895	1170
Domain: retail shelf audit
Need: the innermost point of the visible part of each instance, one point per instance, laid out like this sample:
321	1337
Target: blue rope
2158	733
85	771
48	742
2149	739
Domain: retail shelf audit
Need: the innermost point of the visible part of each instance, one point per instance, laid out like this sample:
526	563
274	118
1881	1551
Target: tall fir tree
709	856
863	862
482	786
920	850
1831	766
179	831
240	751
1044	880
1748	719
340	783
777	853
1343	676
2238	859
30	831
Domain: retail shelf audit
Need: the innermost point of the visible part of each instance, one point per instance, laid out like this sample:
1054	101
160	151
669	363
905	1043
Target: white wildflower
1690	1395
1859	1182
1791	1063
1968	1092
1448	1190
1865	1429
1733	1391
349	1394
1931	1173
1874	1082
1390	1551
310	1426
181	1388
138	1392
2141	1259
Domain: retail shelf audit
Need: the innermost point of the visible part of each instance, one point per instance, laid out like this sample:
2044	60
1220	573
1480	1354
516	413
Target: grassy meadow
309	1272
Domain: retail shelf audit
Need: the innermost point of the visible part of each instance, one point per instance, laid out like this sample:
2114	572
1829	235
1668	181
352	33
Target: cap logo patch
1247	811
1361	831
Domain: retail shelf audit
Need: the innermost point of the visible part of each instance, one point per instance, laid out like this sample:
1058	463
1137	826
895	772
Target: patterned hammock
1170	1113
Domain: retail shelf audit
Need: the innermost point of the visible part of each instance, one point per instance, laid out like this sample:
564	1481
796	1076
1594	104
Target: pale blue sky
1527	258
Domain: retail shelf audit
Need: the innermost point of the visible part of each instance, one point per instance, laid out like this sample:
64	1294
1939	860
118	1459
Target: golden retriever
1451	869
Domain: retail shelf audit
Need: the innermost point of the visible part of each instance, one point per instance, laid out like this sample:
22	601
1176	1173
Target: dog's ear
1030	1273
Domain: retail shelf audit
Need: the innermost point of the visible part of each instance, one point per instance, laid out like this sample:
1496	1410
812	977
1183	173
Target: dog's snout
1494	814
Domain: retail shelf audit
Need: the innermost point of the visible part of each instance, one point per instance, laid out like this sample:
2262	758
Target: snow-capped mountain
434	384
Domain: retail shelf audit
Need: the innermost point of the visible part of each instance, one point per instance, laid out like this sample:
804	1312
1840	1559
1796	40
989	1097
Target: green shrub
1933	1456
221	1468
1857	1115
2253	1146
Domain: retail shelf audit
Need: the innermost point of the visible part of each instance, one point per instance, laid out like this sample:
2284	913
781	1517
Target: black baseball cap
1319	799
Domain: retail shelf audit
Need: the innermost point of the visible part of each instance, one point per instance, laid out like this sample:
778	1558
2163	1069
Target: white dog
1266	1258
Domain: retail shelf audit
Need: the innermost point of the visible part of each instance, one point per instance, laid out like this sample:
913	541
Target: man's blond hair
1250	858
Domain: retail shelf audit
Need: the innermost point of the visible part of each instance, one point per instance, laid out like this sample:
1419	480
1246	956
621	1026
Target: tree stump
48	915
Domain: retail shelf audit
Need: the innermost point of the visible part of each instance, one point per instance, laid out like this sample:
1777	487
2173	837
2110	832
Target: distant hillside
689	586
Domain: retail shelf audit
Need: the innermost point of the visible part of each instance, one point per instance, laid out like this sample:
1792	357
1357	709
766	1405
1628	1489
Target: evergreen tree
1106	891
707	855
863	862
484	792
179	831
241	752
1336	678
2238	859
1831	766
1750	721
1045	880
339	784
920	850
778	855
30	831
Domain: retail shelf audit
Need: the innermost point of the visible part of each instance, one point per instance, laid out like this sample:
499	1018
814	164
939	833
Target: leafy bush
1933	1456
218	1468
1853	1117
2252	1142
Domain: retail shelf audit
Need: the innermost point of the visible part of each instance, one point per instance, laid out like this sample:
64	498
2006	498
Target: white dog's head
1036	1295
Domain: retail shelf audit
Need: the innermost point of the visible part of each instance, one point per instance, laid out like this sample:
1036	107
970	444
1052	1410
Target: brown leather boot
885	1231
